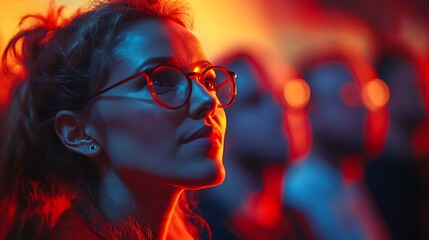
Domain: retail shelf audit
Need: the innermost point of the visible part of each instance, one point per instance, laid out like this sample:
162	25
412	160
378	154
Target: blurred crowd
354	92
334	142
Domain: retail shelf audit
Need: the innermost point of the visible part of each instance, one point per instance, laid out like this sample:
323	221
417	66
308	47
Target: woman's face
339	116
145	142
256	120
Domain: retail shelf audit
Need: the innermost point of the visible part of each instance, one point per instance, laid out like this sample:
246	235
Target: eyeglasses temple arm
117	84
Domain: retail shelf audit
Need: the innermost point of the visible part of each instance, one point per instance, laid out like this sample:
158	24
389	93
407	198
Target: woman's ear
72	133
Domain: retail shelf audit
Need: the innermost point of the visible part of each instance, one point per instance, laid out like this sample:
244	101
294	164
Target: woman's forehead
155	38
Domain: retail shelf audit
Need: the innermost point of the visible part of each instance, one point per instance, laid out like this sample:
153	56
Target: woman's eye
167	78
139	83
165	83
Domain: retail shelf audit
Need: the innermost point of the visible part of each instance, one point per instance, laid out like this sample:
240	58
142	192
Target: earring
92	148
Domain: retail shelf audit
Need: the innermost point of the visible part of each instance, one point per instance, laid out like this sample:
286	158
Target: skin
141	152
337	114
147	135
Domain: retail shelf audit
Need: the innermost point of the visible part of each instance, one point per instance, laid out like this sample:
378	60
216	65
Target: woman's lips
205	135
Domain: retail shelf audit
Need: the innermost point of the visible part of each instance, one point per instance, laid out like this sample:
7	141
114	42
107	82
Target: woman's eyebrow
171	61
203	63
158	61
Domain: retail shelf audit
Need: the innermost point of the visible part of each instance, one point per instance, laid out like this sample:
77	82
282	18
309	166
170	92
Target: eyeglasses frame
196	75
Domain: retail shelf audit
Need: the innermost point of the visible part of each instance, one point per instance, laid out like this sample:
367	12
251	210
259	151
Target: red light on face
296	93
375	94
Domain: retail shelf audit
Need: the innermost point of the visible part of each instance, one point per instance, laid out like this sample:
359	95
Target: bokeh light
375	94
296	93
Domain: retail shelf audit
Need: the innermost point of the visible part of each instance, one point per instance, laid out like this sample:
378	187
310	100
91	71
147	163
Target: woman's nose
202	102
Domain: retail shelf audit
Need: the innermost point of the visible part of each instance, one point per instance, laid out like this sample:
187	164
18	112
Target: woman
118	112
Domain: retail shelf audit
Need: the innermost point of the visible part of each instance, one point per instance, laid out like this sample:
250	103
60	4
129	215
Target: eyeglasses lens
223	85
170	85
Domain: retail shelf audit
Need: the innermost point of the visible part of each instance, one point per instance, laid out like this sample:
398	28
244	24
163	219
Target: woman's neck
151	207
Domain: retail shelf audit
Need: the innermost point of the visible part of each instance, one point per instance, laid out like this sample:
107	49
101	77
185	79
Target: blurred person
116	113
395	178
324	187
247	204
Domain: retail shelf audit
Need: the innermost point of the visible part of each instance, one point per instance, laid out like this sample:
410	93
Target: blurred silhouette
247	205
395	178
324	187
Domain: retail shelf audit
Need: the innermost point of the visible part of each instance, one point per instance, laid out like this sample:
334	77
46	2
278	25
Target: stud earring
92	148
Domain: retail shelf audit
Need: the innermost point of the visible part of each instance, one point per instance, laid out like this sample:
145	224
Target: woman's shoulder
71	226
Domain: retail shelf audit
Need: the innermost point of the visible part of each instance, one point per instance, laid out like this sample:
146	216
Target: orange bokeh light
375	94
296	93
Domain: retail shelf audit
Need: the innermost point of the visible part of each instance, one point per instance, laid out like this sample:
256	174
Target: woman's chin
216	179
210	177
